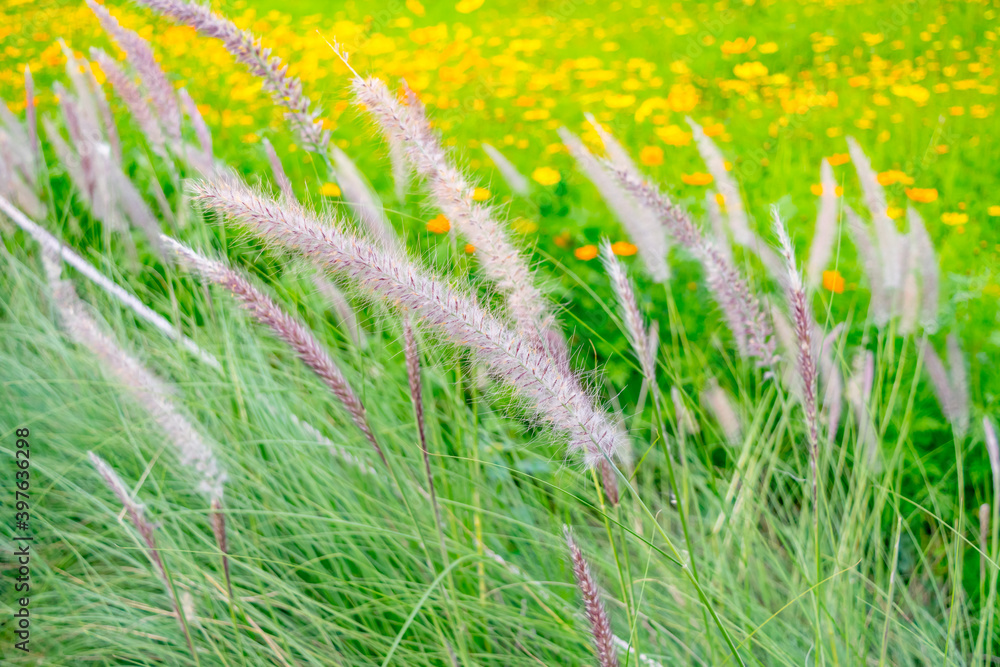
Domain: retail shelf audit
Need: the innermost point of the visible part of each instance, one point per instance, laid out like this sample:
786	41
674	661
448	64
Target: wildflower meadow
477	332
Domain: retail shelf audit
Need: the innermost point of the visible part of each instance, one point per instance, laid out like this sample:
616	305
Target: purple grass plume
285	90
278	171
146	389
993	451
825	233
141	57
19	155
137	515
736	214
362	200
517	182
950	385
717	402
803	325
412	354
597	616
928	269
742	309
554	395
641	224
635	328
267	312
406	125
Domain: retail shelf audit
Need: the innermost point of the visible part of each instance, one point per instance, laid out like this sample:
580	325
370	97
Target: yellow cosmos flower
546	176
480	194
922	195
952	219
468	6
833	282
585	253
439	225
697	178
838	159
330	190
871	39
994	211
651	156
894	176
673	135
738	45
768	47
750	70
623	248
894	212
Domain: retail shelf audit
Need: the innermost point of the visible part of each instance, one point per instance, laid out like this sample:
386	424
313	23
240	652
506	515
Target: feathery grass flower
597	616
264	309
551	390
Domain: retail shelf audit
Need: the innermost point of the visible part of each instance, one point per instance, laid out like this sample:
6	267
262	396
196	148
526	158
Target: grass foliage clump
271	430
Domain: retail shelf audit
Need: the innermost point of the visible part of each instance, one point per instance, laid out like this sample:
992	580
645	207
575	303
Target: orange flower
922	195
439	225
838	159
697	178
651	156
585	252
833	281
894	176
469	248
623	248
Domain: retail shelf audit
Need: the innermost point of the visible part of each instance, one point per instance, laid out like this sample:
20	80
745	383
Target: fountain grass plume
950	384
267	312
886	235
31	113
597	615
137	515
336	299
993	452
278	171
51	244
928	269
554	395
634	325
146	389
204	158
407	126
880	306
130	94
742	309
802	323
641	225
736	214
517	181
717	402
140	55
362	200
412	354
959	382
285	90
825	234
